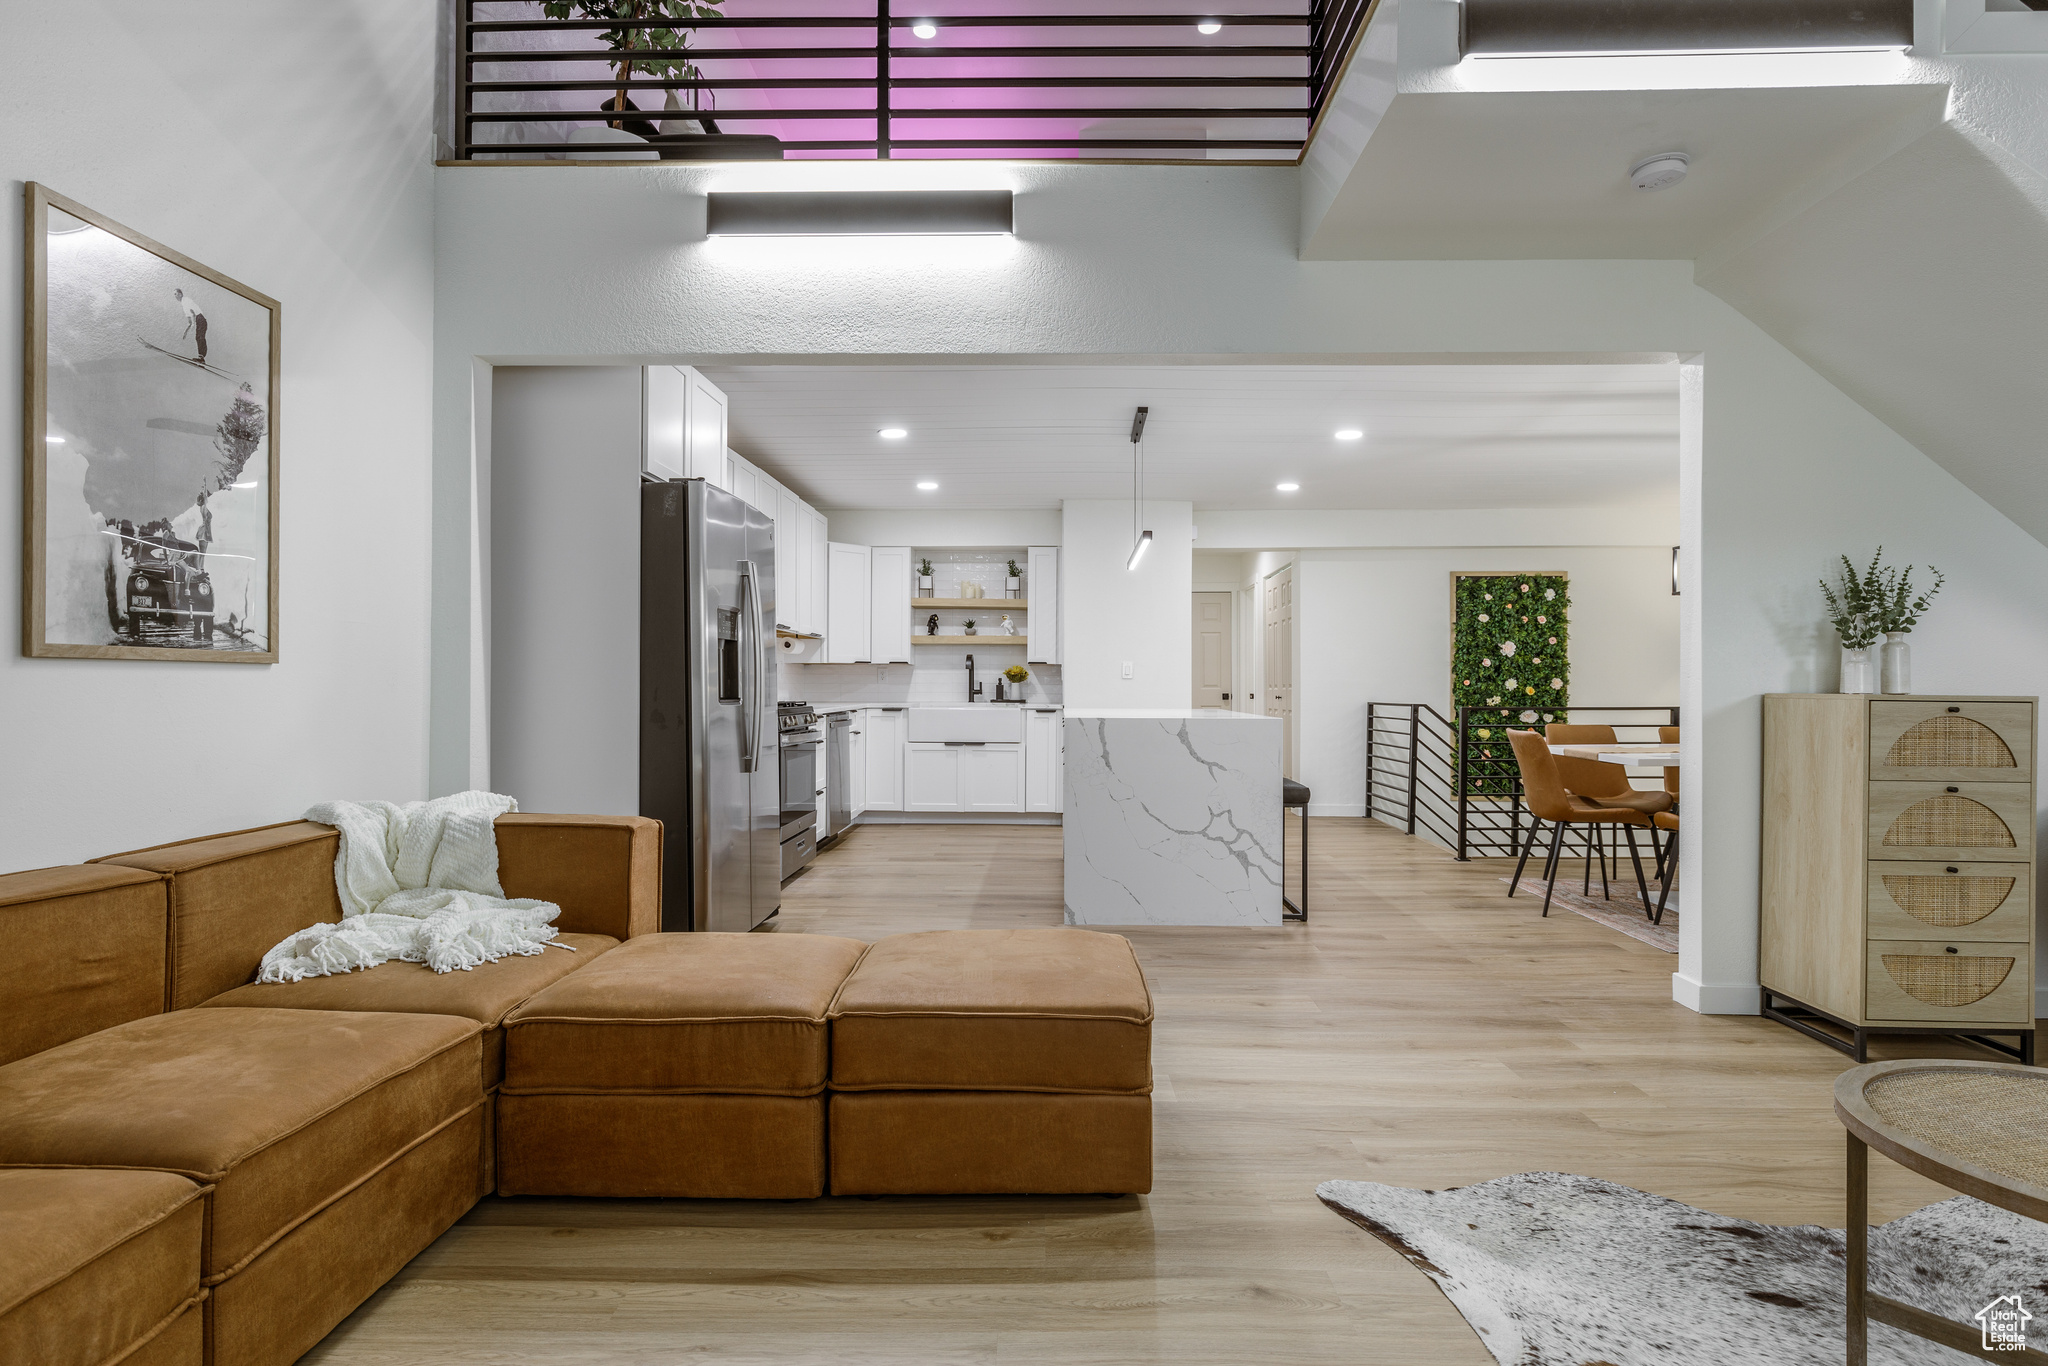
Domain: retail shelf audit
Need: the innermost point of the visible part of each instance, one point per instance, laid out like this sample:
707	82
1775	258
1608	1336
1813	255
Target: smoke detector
1659	172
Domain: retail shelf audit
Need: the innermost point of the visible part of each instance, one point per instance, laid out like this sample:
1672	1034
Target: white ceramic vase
1898	663
1859	670
1012	584
924	585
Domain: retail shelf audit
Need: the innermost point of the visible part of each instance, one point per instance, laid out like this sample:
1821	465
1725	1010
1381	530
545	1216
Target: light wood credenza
1898	867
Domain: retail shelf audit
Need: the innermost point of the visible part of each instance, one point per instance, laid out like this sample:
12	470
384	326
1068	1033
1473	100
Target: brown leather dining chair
1549	800
1603	784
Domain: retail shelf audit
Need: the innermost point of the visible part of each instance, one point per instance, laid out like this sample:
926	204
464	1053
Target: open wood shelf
968	640
974	604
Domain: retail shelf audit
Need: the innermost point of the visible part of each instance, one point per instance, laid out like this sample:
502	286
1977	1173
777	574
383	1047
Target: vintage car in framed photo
149	449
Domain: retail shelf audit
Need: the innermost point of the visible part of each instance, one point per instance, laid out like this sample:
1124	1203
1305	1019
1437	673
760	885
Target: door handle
750	684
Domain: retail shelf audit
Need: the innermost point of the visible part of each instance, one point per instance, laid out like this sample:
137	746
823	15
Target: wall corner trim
1716	998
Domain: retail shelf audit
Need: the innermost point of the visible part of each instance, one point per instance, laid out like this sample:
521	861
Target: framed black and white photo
149	449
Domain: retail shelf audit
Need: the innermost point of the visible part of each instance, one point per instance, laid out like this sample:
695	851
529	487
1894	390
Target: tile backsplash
938	676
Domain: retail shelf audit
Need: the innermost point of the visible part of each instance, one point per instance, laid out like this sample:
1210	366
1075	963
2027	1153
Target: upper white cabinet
848	599
889	594
819	559
682	425
1042	589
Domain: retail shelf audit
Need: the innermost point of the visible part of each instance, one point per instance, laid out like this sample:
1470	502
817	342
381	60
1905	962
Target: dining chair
1549	800
1602	783
1669	735
1668	822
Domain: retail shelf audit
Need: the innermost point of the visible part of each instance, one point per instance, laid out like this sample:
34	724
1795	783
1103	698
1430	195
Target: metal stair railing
1455	781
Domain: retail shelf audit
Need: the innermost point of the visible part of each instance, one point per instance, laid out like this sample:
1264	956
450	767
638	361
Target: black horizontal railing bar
867	50
609	151
1052	82
1246	144
1097	50
897	21
1129	112
705	83
868	111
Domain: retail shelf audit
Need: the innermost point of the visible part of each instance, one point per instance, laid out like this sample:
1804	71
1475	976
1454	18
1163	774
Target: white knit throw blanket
418	882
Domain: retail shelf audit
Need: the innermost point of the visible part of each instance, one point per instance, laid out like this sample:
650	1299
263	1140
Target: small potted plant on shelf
1012	586
969	627
924	578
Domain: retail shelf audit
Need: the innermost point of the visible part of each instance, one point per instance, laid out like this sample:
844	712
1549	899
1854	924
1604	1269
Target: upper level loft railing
1152	80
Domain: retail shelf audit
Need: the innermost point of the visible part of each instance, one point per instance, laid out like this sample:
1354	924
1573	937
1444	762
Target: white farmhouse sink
985	724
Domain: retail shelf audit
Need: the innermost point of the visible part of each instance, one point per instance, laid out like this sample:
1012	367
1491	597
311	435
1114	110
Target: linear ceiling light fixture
1659	28
860	213
1143	541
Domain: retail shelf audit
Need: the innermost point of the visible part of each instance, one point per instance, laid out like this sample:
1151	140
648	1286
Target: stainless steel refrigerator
709	769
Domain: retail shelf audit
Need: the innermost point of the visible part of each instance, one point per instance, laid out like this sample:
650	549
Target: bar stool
1293	794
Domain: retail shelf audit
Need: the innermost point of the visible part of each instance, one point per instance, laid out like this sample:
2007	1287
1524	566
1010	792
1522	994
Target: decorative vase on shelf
969	628
924	585
1013	586
1898	663
1859	670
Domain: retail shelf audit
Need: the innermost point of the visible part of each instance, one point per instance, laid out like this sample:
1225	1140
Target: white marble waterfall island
1172	818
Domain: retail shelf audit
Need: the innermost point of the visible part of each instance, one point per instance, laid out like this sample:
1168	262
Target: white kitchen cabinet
818	562
885	727
991	777
792	531
1042	591
1045	759
682	425
848	601
857	765
931	776
890	591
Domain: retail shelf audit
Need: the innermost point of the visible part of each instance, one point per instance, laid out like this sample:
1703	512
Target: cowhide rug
1559	1270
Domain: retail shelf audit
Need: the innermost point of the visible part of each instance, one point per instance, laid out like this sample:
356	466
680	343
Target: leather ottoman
675	1065
983	1062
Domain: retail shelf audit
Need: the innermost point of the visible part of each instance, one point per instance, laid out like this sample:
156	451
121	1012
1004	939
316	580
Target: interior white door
931	776
849	599
991	777
885	727
1212	650
890	590
1279	660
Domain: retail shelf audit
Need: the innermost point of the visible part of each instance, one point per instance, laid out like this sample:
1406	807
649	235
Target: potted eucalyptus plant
1013	585
924	578
666	48
1879	601
1852	602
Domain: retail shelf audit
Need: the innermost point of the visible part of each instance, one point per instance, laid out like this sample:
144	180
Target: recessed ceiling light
927	485
1287	488
925	28
1208	26
54	440
892	433
1349	433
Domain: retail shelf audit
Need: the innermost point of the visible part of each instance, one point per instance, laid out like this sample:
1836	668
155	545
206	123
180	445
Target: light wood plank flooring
1422	1030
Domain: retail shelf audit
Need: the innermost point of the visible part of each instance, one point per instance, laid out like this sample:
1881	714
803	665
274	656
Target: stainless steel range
802	748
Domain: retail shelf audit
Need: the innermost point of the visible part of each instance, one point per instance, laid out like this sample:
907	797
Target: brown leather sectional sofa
198	1171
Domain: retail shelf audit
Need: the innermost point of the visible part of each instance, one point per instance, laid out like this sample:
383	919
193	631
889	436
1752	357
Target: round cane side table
1980	1128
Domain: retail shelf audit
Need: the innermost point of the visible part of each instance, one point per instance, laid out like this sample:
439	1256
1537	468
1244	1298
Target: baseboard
1336	808
1716	998
958	818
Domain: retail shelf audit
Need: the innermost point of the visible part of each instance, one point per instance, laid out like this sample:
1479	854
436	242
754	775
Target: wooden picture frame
138	442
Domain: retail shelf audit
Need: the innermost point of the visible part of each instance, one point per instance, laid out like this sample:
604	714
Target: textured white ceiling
1221	436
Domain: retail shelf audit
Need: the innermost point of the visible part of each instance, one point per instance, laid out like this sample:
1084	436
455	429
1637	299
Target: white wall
1375	626
285	146
565	588
1786	471
1111	615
